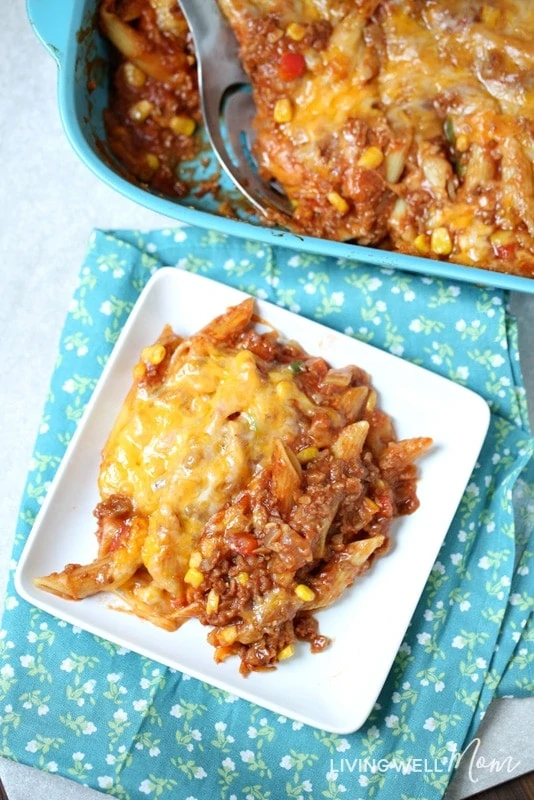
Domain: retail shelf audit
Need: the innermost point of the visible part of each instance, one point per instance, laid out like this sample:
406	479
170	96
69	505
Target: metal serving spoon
226	99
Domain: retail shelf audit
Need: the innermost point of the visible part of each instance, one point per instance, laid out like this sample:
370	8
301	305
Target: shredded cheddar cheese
185	448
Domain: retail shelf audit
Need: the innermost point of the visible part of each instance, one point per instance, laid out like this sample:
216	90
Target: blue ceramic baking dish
69	31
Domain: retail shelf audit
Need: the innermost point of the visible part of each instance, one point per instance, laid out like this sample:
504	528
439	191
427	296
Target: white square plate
334	690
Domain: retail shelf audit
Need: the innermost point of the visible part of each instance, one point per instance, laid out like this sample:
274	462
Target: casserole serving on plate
84	60
342	682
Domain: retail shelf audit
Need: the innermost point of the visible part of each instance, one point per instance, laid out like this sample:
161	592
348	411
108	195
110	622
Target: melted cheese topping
426	54
184	449
337	89
483	60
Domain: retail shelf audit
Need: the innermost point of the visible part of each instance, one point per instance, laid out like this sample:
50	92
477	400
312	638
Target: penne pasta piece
399	455
352	402
150	602
231	323
134	47
480	169
380	432
396	162
166	552
113	519
436	169
341	571
286	477
77	581
349	444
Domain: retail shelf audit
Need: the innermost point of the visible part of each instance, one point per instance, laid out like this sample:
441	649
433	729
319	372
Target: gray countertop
49	203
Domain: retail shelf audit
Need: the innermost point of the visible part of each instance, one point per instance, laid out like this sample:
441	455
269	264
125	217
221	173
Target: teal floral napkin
77	705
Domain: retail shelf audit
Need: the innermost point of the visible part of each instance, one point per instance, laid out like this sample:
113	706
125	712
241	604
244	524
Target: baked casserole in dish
402	132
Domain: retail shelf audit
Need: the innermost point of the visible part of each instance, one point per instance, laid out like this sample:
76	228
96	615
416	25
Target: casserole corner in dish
477	164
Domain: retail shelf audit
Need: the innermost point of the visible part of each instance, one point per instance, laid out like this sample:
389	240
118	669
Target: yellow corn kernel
307	454
134	76
212	603
462	143
371	158
195	559
152	161
286	652
304	593
284	390
441	242
296	31
243	578
182	126
139	371
422	243
141	110
194	577
283	110
227	635
490	15
339	203
370	505
154	354
502	238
